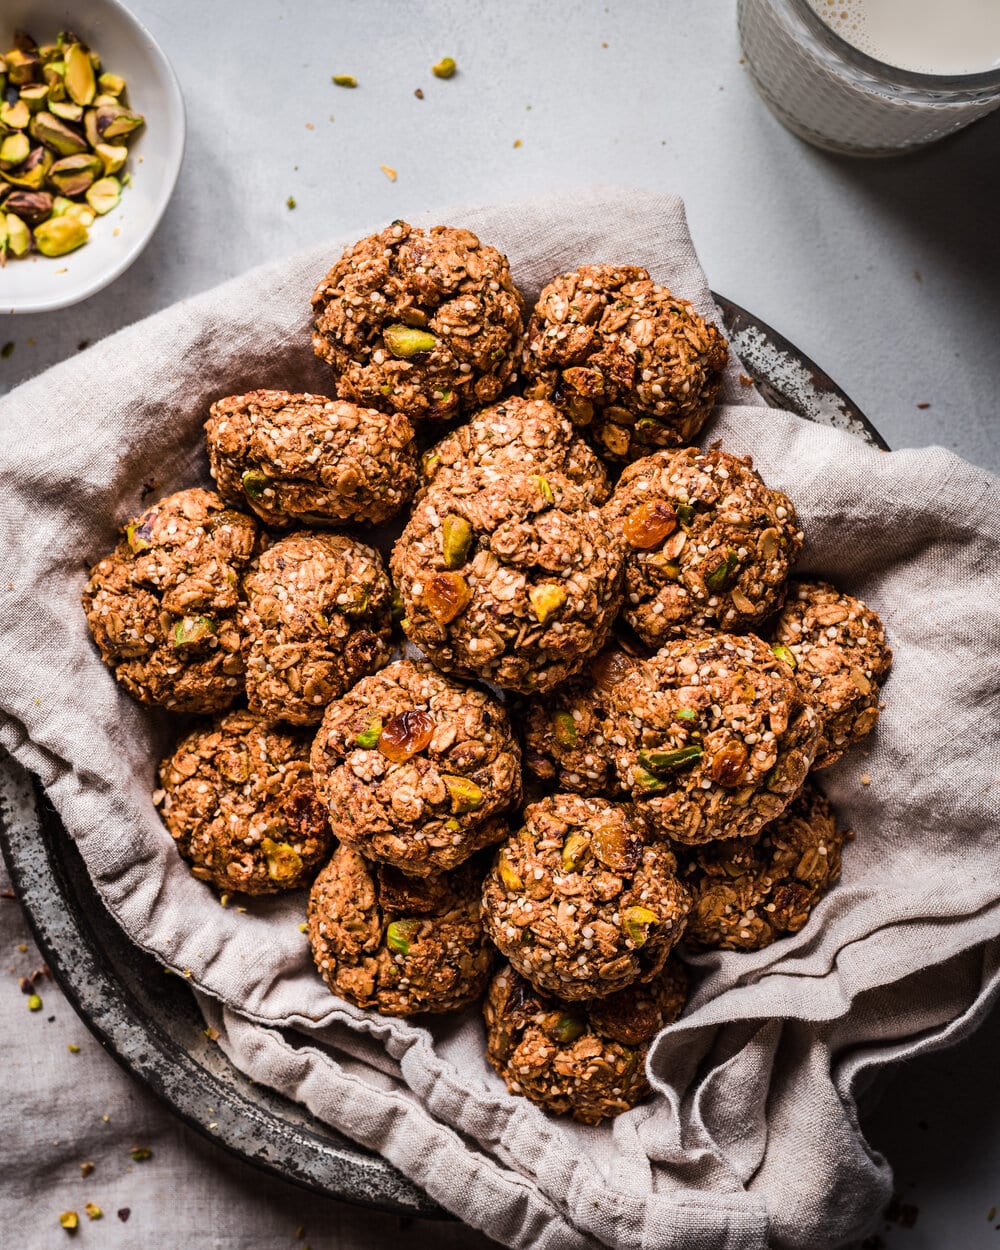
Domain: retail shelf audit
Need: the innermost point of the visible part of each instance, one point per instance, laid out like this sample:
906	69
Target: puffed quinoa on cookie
564	742
318	617
708	545
163	606
511	578
309	460
749	891
510	436
427	323
587	1060
711	737
622	356
238	799
581	901
417	769
395	943
837	646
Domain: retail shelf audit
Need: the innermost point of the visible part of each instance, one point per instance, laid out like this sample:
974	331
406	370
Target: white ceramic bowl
37	283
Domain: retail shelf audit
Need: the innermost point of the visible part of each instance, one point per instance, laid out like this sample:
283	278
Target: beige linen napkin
752	1138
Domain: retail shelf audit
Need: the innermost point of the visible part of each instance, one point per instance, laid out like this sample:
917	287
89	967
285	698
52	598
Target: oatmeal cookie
416	769
581	901
427	323
621	355
510	436
309	460
708	545
396	943
238	800
748	892
712	737
564	742
317	618
162	607
512	579
837	646
587	1060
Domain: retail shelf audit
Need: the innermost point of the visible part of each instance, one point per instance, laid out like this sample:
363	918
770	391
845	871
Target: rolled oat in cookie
586	1060
711	737
510	577
837	646
509	437
163	606
417	769
308	460
749	891
395	943
317	618
708	545
622	356
238	799
427	323
564	742
581	901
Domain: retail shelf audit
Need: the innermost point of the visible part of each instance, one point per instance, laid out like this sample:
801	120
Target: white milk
947	37
830	99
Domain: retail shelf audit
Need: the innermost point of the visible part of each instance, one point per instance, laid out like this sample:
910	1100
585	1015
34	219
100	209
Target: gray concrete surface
885	272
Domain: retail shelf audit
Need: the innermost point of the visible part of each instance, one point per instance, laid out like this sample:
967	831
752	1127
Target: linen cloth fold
751	1138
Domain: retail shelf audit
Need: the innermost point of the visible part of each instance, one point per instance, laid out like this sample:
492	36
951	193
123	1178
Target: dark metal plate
150	1022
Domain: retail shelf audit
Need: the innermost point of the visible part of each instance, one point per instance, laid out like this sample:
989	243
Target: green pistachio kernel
192	630
284	863
636	922
568	1028
667	761
564	728
544	489
648	782
368	738
465	795
685	513
546	600
785	653
399	935
507	874
255	482
445	68
686	713
344	80
456	539
406	341
575	851
724	573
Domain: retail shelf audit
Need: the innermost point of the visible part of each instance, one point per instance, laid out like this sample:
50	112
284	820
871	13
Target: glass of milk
873	77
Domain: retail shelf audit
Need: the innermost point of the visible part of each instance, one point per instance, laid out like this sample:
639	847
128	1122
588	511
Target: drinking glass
829	93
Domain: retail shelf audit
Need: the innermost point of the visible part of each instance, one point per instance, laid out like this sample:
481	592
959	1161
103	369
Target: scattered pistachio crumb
141	1153
866	779
310	126
86	1168
445	68
34	1002
517	143
303	928
187	972
290	202
73	1048
7	350
21	947
345	80
212	1034
746	379
93	1211
389	172
105	1118
223	900
419	93
70	1221
923	405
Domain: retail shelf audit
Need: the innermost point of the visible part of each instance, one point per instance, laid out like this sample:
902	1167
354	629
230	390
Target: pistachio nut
785	653
636	922
507	874
456	539
104	195
34	96
406	341
111	84
684	513
546	600
191	630
564	729
112	156
21	66
54	73
18	236
724	573
113	121
284	863
445	68
55	134
73	175
544	489
465	795
648	782
568	1028
575	852
69	1220
32	173
255	482
66	110
668	761
31	206
81	86
60	235
61	207
14	116
368	738
344	80
400	933
14	150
